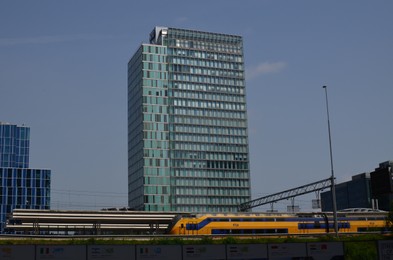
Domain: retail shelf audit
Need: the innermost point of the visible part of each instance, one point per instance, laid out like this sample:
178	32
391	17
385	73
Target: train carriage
278	223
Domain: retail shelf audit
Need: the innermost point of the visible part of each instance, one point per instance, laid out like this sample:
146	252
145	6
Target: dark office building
355	193
382	185
366	190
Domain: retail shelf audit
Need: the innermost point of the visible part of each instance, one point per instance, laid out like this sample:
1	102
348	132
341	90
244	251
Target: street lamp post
331	167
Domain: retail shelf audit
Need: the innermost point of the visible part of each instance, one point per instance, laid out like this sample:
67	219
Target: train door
182	229
192	228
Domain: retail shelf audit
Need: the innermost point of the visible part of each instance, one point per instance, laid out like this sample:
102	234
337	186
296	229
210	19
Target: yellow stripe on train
278	223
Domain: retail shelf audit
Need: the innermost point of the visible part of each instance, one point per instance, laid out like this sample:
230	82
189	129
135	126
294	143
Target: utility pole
331	167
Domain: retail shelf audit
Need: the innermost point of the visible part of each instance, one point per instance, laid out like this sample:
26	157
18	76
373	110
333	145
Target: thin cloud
265	68
52	39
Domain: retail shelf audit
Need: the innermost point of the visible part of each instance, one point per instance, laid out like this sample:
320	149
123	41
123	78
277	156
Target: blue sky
63	73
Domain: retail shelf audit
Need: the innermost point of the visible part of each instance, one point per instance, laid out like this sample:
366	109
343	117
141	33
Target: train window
315	225
250	231
344	225
281	219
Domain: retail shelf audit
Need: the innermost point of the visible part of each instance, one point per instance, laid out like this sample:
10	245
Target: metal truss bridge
288	194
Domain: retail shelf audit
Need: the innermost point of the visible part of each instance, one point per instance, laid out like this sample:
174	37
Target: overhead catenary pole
331	167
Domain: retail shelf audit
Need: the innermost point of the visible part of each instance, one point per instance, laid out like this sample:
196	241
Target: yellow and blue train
109	222
278	223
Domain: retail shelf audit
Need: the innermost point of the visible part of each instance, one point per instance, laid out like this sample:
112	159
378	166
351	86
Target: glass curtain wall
14	146
187	123
23	189
149	185
208	121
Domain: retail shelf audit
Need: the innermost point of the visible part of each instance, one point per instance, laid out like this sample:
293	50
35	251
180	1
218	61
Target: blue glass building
187	123
14	146
20	186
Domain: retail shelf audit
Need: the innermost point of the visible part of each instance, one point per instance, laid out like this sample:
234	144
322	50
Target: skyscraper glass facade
14	146
20	186
187	123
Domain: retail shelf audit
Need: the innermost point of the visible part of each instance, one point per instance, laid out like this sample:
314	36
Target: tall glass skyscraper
187	123
14	146
20	186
